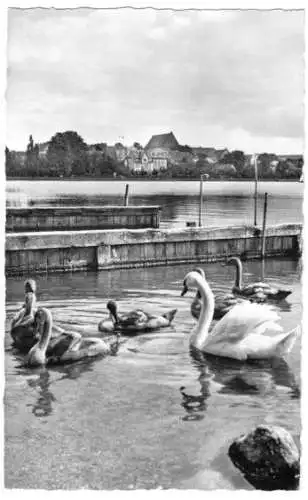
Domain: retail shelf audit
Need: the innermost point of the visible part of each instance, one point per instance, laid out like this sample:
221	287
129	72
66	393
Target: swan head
232	261
192	280
202	273
30	286
113	309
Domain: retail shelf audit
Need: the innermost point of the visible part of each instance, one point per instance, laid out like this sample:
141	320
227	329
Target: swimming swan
260	291
240	333
23	323
134	321
223	303
66	348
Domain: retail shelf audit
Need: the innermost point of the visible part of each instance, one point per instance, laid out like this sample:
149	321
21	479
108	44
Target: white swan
240	334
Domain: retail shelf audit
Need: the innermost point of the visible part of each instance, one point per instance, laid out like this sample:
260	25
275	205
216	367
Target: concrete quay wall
28	253
38	219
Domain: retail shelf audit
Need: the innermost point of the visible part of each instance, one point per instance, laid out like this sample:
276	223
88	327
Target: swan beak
184	291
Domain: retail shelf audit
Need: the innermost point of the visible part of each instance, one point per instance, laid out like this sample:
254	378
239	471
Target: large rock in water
268	457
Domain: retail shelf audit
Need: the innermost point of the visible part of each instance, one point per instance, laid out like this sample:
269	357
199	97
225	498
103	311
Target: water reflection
254	378
43	404
196	405
43	378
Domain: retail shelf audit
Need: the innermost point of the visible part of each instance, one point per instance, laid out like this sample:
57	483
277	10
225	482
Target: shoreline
133	179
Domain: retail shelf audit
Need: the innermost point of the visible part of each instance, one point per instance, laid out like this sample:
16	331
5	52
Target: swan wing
133	318
258	287
244	319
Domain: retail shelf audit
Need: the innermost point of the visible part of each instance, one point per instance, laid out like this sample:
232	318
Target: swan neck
115	318
29	303
46	334
199	337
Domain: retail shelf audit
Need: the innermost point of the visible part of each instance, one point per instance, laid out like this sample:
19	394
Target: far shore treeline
68	156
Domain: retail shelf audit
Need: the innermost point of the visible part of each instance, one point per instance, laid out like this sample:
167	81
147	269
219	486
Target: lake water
155	415
225	203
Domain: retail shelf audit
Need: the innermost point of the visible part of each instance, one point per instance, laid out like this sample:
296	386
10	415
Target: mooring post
126	195
202	177
262	269
256	189
264	227
201	201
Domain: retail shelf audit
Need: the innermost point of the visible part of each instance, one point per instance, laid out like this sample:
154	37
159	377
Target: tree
236	158
32	154
30	145
8	162
264	164
67	154
185	149
226	170
138	146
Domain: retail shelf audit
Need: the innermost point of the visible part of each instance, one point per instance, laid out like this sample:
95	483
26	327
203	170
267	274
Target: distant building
42	148
166	142
201	152
159	162
164	148
20	156
211	155
221	153
274	163
139	161
290	157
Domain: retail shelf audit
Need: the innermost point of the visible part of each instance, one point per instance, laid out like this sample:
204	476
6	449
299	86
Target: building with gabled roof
164	141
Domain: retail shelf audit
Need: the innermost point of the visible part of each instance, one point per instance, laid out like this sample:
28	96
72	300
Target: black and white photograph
153	230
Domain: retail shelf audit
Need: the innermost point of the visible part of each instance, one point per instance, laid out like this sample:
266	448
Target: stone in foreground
268	458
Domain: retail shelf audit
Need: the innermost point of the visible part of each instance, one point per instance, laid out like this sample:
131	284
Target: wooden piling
256	189
264	227
202	177
201	201
126	197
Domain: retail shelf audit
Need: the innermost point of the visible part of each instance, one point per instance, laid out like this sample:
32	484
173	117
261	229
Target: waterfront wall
27	253
81	218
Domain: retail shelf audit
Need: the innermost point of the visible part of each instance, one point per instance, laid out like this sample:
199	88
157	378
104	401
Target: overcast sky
223	79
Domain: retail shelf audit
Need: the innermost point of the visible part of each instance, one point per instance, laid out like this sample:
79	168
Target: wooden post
256	189
264	227
201	201
262	270
126	195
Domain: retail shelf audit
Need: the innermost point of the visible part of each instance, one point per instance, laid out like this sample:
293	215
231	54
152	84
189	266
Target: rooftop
163	141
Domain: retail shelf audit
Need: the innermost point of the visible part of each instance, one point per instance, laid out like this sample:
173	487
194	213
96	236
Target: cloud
132	73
